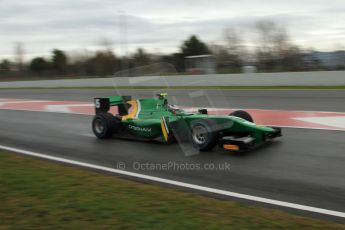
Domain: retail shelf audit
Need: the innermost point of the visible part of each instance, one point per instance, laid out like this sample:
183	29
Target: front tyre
104	125
242	114
204	134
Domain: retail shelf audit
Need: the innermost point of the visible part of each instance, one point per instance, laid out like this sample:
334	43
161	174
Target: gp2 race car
155	119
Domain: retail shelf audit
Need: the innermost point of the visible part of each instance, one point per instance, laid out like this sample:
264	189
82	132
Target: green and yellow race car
155	119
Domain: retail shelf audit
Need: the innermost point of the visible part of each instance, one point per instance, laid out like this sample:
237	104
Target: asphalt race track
305	166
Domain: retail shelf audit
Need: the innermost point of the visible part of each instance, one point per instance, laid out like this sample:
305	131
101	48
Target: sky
161	26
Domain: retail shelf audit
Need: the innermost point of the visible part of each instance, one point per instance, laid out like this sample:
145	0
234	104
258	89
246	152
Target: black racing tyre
242	114
104	125
204	135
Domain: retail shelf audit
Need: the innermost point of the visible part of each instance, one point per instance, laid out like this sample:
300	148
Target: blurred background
86	38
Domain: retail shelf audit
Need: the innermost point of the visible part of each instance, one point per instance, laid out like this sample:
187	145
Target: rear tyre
204	135
242	114
104	125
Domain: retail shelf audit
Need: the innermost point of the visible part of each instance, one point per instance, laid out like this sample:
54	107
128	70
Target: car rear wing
102	105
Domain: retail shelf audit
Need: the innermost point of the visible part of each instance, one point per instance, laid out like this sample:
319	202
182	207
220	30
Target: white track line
180	184
275	110
19	102
64	108
304	127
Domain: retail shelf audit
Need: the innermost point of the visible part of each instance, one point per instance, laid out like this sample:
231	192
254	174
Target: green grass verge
37	194
293	87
